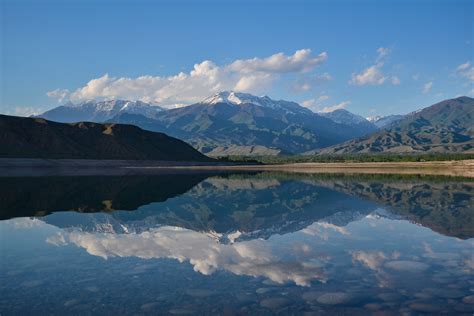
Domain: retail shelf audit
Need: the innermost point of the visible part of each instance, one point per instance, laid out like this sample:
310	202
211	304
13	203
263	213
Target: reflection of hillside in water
445	207
238	206
235	207
39	196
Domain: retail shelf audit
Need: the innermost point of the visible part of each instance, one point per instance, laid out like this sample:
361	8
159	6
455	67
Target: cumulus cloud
24	111
395	80
335	107
254	75
300	61
466	70
319	104
315	104
383	52
58	94
369	76
427	87
373	75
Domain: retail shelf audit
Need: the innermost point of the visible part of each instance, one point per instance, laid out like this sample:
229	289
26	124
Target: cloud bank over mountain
253	75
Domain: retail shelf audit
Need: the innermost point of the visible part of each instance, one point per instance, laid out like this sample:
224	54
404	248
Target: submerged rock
180	311
407	266
465	308
199	293
426	307
312	296
335	298
389	297
468	299
71	302
148	306
275	303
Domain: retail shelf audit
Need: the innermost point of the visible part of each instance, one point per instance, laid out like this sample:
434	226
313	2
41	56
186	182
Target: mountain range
232	123
227	122
358	122
447	126
99	111
22	137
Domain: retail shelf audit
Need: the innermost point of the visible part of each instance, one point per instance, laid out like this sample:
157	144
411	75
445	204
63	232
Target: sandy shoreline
463	168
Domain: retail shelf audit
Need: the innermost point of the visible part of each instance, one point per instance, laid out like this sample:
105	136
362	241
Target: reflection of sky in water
373	262
315	251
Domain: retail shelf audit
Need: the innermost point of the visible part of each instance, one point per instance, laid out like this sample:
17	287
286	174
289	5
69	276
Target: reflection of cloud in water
372	259
323	230
301	257
252	258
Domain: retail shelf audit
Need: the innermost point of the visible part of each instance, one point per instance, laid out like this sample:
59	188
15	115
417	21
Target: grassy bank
347	158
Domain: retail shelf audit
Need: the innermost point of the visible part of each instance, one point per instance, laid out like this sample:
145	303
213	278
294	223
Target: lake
232	244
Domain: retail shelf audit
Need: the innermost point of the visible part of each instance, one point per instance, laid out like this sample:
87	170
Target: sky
369	57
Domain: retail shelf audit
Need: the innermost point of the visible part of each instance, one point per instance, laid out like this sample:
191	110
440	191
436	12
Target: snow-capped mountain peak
100	111
384	121
239	98
342	116
231	97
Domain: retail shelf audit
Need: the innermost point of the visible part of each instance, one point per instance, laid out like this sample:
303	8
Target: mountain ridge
99	111
22	137
238	121
447	126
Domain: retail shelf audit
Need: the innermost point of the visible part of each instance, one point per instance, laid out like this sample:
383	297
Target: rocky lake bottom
236	244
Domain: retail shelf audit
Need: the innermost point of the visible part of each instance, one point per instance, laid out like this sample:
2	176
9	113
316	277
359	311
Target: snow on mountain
342	116
384	121
99	111
239	98
114	107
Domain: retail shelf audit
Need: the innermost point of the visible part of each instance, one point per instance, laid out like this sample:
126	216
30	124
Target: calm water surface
262	243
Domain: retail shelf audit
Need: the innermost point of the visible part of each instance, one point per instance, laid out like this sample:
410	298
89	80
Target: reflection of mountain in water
445	207
39	196
240	207
236	207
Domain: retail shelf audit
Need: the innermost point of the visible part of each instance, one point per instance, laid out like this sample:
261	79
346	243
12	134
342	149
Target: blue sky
371	57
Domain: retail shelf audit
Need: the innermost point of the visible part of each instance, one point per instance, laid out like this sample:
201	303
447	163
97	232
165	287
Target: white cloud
318	104
59	94
315	104
335	107
427	87
373	75
369	76
383	52
300	61
466	70
24	111
254	75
